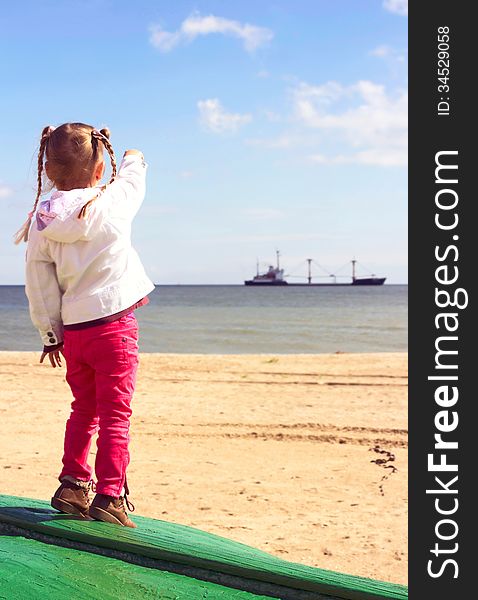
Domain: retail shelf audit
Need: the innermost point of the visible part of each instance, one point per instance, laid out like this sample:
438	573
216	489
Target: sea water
232	319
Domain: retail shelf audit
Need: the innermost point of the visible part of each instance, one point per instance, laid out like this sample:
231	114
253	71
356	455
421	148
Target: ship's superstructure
273	276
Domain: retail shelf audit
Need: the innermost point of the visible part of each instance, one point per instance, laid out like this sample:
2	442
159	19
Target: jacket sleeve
129	188
43	292
120	200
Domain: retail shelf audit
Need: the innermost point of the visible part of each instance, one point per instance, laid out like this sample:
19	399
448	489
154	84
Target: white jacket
83	269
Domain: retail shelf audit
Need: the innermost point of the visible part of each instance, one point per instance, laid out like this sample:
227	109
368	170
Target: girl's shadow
27	514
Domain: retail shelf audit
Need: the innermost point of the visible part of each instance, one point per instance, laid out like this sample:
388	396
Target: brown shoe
72	497
111	510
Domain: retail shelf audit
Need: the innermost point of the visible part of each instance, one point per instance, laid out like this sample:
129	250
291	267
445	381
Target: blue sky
275	124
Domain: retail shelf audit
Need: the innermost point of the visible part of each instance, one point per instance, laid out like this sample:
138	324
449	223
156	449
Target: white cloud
195	25
399	7
390	158
285	140
5	191
163	40
263	214
154	210
214	118
371	123
382	51
186	174
239	239
272	116
388	54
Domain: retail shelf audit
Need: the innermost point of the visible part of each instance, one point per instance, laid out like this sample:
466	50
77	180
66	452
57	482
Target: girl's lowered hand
54	356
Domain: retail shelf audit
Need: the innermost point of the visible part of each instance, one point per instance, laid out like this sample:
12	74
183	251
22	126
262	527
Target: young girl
83	282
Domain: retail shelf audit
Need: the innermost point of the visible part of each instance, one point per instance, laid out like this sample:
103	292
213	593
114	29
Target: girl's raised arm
123	197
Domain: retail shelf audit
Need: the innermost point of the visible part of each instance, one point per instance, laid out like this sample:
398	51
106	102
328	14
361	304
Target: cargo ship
275	276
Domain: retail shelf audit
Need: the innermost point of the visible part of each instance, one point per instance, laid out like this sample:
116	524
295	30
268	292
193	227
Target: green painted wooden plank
168	541
33	570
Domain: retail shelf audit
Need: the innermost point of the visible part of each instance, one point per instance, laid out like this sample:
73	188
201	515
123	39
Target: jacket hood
57	217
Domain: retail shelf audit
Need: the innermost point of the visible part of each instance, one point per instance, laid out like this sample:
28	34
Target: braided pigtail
102	136
22	233
109	148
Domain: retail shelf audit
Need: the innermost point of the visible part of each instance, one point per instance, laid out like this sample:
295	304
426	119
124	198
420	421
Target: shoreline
280	451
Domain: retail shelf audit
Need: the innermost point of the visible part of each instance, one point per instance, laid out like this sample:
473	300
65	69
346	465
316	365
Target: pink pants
101	365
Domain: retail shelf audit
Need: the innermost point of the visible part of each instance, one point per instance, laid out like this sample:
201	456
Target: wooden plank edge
329	590
223	579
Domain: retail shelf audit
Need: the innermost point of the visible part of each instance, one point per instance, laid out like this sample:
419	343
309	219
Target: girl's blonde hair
72	151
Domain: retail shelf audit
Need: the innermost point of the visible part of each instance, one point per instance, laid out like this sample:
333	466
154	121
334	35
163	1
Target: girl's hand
137	152
54	356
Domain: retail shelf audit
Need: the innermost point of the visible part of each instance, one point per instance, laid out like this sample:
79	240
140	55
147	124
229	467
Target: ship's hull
369	281
271	283
320	284
362	281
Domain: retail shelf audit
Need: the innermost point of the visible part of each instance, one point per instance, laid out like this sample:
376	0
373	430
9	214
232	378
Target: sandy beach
304	456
